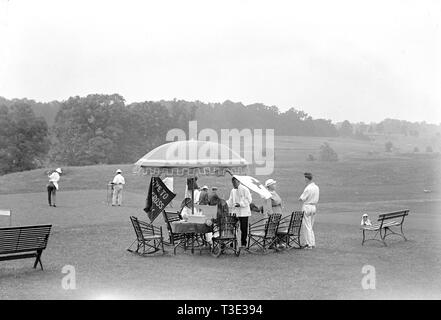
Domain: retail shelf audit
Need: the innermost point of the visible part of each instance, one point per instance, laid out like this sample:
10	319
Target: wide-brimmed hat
58	170
270	182
204	187
118	171
365	215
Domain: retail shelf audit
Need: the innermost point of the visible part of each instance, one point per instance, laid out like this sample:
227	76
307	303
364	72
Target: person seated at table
222	209
203	197
213	197
186	210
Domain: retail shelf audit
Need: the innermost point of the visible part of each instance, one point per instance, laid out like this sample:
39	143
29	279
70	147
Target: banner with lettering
158	197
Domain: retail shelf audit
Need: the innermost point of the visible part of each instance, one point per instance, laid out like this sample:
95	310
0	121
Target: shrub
388	146
327	153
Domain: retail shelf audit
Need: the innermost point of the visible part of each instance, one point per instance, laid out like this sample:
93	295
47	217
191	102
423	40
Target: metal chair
224	236
148	237
288	233
263	233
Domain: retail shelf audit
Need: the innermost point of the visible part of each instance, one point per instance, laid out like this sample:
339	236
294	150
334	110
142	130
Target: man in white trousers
309	199
118	183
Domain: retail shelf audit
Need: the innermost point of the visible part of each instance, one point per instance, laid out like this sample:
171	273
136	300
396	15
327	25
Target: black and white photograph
236	151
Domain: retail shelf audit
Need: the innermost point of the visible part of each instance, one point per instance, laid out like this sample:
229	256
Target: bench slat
391	215
24	239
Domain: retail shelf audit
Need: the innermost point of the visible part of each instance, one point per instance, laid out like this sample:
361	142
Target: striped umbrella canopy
190	158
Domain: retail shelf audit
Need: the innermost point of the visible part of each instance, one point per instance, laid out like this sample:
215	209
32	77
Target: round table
193	232
190	227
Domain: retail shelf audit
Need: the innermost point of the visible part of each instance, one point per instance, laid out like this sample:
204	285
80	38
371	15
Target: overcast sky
356	60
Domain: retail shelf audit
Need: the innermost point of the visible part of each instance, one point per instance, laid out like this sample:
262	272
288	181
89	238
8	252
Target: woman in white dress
273	204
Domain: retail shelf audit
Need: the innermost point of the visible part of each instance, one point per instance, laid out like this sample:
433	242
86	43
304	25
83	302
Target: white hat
58	170
365	215
270	182
204	187
118	171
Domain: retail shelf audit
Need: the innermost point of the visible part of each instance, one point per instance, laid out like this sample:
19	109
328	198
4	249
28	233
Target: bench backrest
22	239
392	215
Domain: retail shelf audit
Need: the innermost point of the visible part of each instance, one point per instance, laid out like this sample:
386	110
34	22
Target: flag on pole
158	197
168	181
254	185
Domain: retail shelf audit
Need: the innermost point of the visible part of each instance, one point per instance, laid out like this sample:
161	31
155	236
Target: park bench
385	226
24	242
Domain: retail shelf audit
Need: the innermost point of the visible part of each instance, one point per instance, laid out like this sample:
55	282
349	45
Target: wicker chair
224	236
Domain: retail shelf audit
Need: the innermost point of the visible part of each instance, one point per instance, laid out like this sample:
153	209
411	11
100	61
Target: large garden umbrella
190	158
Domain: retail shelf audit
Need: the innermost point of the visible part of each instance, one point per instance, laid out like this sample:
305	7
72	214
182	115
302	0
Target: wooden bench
24	242
384	226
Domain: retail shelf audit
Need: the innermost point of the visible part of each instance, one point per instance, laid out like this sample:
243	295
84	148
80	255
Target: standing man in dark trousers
239	203
52	187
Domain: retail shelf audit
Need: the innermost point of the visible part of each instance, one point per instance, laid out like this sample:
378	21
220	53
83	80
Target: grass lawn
93	237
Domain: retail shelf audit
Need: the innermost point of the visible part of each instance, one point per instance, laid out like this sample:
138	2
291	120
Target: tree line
104	129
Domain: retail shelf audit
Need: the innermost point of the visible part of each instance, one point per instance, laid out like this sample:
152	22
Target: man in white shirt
52	187
239	204
118	182
309	199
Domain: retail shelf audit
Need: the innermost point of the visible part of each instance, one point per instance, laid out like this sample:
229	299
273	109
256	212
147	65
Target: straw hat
118	171
58	170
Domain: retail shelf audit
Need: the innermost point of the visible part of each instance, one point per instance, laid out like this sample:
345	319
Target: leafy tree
90	130
149	124
361	136
379	127
346	129
24	139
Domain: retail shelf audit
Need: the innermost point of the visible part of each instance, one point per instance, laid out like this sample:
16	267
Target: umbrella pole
192	195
